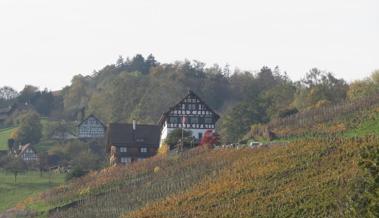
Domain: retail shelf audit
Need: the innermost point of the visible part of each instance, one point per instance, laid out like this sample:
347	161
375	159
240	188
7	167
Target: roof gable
26	147
93	117
190	95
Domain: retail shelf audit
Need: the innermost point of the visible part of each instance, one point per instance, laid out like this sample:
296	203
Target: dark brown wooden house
132	142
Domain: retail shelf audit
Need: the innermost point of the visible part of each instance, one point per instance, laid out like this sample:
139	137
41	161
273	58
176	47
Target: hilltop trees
364	88
320	88
140	88
7	96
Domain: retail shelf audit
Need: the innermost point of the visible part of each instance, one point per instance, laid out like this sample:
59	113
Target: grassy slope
368	126
4	136
27	184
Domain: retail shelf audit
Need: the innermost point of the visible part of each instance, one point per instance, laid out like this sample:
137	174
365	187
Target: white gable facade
91	127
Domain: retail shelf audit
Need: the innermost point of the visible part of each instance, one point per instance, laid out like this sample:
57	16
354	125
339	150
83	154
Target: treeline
142	89
45	102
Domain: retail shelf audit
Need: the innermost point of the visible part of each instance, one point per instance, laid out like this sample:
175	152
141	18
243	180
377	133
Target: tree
175	137
27	94
362	88
8	93
59	128
237	121
15	165
317	87
210	139
120	61
30	129
77	95
83	163
375	76
43	164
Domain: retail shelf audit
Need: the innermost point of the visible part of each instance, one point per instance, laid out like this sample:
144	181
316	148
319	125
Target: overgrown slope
350	118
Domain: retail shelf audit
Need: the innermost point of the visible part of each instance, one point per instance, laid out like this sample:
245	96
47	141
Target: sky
46	42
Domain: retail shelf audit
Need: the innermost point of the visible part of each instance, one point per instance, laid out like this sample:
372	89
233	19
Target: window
208	120
143	150
173	119
126	160
191	107
194	120
123	149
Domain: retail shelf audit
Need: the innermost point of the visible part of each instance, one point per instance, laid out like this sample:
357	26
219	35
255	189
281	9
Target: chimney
134	125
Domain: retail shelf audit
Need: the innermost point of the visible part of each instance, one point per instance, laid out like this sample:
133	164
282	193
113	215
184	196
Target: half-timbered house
191	114
91	128
132	142
28	153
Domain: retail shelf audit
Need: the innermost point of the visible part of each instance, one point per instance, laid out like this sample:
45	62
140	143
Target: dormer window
143	150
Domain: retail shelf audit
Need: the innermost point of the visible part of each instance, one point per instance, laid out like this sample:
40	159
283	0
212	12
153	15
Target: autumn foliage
307	178
210	139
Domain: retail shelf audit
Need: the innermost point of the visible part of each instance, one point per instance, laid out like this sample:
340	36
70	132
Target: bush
76	172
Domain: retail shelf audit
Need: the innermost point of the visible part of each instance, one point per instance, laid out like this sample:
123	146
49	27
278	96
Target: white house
91	128
28	153
191	114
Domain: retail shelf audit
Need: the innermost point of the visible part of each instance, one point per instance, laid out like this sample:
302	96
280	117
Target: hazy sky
46	42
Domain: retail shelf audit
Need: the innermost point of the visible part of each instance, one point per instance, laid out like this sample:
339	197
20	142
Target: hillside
27	184
315	172
346	119
4	136
313	178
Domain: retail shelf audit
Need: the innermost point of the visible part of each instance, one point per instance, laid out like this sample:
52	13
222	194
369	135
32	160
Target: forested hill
142	89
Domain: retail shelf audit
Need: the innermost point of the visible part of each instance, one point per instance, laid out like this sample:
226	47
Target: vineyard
336	119
313	178
317	178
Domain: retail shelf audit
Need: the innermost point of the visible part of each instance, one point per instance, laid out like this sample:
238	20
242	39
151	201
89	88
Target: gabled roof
190	93
93	116
123	133
25	147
